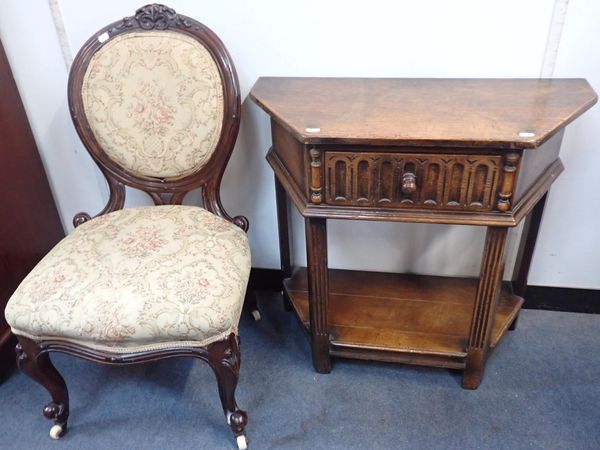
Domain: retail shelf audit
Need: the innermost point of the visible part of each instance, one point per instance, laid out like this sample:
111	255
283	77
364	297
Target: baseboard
562	299
266	279
537	297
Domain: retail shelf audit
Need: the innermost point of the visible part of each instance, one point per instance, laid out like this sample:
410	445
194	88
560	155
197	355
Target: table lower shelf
405	318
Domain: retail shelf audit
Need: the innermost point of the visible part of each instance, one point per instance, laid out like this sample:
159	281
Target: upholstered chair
156	102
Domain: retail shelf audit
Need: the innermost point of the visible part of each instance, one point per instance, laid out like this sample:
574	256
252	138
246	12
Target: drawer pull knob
409	183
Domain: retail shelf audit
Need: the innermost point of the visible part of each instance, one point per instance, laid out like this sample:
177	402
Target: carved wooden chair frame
222	356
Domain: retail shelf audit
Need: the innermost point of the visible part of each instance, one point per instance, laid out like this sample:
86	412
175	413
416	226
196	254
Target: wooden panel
401	313
291	153
493	113
535	162
29	222
442	181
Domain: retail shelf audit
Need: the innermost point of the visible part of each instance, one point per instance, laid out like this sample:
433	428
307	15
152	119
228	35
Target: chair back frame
162	191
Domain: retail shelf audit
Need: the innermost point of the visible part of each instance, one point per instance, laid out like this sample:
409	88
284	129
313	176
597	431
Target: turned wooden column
316	253
484	310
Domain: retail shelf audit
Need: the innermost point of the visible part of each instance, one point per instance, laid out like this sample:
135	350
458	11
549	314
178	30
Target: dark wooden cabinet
29	222
464	152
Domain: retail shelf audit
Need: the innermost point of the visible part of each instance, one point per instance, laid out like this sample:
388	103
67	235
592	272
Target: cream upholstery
137	279
154	101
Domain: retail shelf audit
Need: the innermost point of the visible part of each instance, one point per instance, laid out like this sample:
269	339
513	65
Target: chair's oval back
155	100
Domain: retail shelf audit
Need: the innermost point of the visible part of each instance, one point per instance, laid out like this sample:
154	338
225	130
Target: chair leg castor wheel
242	442
256	315
56	432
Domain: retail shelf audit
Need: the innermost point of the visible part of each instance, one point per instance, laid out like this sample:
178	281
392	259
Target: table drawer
422	180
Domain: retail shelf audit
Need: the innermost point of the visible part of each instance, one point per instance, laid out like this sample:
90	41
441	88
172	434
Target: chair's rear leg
38	367
251	303
224	359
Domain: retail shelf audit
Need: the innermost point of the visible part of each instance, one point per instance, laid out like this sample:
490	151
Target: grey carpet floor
541	391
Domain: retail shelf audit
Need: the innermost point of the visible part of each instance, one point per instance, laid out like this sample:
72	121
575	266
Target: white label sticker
103	37
526	134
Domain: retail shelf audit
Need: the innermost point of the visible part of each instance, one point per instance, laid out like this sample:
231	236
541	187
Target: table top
494	113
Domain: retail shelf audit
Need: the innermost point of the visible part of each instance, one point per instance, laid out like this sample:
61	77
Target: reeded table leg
484	310
316	252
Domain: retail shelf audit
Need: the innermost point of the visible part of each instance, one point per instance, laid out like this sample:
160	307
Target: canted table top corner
493	113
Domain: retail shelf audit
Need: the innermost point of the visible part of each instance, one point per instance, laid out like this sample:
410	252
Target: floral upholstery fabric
137	279
154	101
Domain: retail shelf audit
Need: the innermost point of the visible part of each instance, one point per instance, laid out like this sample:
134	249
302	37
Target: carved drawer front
412	180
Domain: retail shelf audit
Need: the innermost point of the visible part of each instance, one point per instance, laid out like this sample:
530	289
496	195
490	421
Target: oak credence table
451	151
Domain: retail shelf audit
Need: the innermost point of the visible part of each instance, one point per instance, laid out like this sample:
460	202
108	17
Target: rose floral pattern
154	101
136	279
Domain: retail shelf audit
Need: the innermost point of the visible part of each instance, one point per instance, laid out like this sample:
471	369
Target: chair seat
138	279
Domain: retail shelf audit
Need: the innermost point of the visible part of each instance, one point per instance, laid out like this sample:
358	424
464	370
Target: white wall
568	250
428	38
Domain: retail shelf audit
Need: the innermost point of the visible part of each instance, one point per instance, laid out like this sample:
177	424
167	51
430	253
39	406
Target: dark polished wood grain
466	152
29	222
403	111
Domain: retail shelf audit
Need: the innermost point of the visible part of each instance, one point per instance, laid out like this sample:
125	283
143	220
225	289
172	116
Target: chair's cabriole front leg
34	362
224	359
